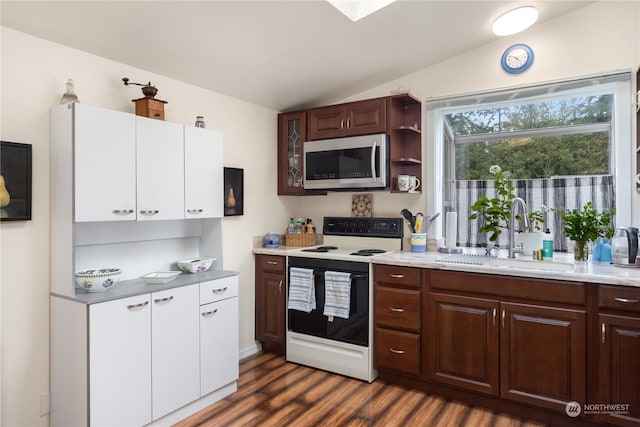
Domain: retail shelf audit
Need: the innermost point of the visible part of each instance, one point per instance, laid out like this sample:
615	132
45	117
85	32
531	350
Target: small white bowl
97	279
195	265
160	277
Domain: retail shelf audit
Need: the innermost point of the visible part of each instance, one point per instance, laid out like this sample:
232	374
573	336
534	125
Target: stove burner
320	249
368	252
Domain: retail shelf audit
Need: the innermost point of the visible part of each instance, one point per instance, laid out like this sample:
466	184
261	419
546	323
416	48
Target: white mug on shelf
414	183
403	182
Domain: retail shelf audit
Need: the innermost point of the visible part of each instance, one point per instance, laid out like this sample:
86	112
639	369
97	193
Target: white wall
34	72
600	37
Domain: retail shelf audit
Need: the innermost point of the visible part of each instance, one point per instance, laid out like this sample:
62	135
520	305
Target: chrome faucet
512	224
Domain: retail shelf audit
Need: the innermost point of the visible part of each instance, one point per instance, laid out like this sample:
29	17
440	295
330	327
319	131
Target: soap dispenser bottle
547	245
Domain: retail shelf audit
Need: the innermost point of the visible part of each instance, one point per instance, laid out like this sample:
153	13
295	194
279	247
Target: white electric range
341	345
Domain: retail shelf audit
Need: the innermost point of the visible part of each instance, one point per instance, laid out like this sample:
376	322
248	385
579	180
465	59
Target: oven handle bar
353	276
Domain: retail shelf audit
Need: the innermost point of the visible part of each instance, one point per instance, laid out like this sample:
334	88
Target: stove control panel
363	227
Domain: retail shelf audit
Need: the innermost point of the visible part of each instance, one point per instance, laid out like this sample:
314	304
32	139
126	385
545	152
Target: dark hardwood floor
272	392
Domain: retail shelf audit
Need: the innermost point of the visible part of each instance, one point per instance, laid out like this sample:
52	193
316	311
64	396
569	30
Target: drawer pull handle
142	304
219	291
122	211
626	300
396	309
159	300
604	333
272	262
153	212
393	350
194	211
210	313
397	276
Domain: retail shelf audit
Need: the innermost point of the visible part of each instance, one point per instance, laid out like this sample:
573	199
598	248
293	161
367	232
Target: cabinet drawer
397	351
397	308
400	276
219	289
619	298
271	263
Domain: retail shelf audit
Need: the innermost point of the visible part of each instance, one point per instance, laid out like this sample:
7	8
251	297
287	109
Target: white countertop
590	272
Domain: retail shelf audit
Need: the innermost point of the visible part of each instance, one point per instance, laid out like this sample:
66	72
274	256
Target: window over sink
561	144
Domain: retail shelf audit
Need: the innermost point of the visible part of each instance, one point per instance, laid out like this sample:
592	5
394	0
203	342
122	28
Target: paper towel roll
452	230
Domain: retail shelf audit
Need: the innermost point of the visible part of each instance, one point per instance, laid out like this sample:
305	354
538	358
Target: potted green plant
496	210
586	225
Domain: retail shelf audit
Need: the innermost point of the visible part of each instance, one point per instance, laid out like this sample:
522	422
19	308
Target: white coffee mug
403	182
414	183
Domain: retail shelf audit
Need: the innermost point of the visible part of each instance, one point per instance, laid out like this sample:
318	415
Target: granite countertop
590	272
133	287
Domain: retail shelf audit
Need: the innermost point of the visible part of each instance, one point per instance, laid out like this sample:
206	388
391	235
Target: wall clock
517	59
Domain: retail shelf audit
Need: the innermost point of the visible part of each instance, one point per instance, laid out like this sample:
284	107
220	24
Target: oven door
355	329
357	162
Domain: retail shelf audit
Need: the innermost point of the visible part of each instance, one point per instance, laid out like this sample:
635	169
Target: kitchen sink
472	259
530	264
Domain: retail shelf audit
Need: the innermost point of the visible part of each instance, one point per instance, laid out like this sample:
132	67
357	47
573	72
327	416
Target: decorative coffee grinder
147	106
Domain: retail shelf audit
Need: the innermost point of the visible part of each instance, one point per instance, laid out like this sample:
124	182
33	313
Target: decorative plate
361	205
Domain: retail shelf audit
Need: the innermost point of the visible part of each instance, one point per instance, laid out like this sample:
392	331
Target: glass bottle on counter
292	226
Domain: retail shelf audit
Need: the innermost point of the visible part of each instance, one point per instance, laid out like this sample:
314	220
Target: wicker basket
301	239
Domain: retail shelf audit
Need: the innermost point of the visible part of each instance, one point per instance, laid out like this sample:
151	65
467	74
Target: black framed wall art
15	181
233	191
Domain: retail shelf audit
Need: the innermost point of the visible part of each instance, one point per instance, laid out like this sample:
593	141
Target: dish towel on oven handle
302	290
337	294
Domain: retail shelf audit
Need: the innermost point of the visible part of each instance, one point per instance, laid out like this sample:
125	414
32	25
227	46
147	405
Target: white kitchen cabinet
203	173
119	355
219	335
104	148
160	169
175	347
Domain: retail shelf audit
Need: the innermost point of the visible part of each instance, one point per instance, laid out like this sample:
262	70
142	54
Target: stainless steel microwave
351	163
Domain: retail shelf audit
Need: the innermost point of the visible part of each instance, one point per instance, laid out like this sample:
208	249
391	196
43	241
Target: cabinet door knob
153	212
280	286
397	309
495	311
159	300
504	315
133	306
194	211
209	313
604	333
393	350
122	211
218	291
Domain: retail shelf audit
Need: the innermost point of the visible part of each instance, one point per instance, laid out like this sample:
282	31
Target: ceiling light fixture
515	21
356	10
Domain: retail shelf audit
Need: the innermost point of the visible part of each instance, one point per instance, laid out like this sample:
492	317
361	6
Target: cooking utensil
419	222
411	220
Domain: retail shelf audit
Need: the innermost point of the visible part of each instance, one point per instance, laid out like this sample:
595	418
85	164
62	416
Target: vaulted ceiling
279	54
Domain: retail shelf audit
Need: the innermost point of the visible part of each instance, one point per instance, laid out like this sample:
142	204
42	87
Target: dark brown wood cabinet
619	354
463	342
354	118
484	339
398	319
292	134
405	124
270	302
